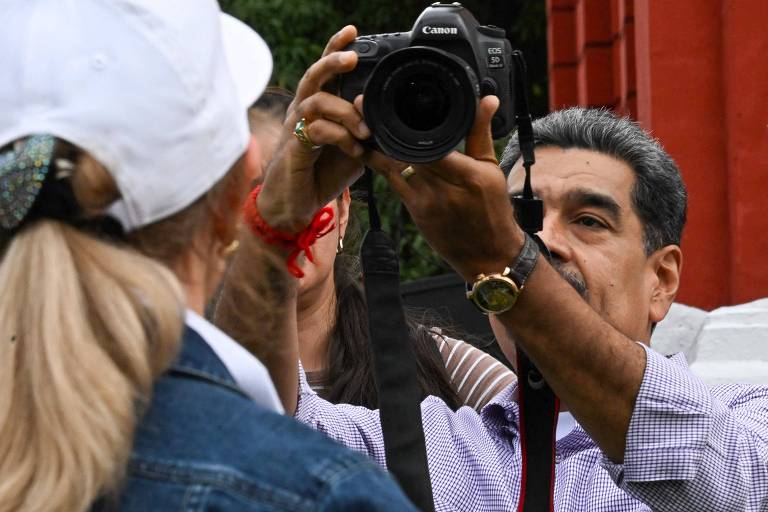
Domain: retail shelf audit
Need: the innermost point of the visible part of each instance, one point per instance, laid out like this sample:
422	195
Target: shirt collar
250	375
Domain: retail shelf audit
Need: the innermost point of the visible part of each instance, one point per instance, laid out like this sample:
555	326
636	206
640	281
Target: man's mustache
572	278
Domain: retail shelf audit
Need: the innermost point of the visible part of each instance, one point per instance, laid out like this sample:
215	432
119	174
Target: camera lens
423	103
420	103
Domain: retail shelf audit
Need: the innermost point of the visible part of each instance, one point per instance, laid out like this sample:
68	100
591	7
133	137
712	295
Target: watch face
495	295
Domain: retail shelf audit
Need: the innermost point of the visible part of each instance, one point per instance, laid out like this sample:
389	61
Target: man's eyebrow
587	197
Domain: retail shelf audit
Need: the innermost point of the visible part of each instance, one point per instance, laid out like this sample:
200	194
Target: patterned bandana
22	173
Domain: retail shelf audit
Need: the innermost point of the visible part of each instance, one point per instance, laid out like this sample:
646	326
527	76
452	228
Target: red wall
696	75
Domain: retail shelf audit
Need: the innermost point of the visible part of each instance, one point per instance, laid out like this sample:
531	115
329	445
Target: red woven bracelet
321	225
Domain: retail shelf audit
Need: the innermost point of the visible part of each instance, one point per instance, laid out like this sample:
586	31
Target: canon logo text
439	30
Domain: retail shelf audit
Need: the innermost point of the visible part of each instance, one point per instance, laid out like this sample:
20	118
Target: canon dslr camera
421	87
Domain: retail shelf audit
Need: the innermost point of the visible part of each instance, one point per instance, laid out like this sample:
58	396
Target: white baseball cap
156	90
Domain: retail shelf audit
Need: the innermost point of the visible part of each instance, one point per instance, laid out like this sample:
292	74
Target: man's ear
667	263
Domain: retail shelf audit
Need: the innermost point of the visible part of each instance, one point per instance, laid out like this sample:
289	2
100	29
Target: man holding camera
648	434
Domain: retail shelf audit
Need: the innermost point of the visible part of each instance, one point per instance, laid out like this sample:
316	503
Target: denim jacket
203	445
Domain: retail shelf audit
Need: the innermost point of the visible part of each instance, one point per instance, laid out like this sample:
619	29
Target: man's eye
590	222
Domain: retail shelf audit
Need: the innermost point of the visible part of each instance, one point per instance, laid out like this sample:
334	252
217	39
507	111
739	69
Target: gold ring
407	172
300	132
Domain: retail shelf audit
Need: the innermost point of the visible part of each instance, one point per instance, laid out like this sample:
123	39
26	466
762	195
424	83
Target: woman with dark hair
332	320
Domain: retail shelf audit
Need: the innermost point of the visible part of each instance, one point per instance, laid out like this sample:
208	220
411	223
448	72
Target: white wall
728	344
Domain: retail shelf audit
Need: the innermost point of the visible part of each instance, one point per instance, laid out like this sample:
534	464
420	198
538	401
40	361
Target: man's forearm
257	307
594	369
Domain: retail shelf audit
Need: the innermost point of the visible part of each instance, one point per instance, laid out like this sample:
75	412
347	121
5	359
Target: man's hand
460	203
299	180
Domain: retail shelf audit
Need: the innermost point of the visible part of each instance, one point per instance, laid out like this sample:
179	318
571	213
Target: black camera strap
394	363
538	405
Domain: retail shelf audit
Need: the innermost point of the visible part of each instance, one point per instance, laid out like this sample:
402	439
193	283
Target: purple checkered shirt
689	448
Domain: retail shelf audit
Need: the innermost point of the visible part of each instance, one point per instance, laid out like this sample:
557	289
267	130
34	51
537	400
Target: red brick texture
694	73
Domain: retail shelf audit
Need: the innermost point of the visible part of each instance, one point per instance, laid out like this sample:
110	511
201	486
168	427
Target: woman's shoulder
475	375
197	434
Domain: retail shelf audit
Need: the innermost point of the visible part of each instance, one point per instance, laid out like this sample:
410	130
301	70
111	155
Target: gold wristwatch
496	293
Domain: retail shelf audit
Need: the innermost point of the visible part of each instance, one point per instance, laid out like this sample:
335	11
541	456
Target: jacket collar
197	360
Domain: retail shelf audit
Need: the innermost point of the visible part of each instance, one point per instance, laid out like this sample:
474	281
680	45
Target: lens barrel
420	103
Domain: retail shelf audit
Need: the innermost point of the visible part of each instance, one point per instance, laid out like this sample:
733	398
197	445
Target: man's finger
459	169
390	169
323	71
323	132
359	103
340	40
331	107
479	140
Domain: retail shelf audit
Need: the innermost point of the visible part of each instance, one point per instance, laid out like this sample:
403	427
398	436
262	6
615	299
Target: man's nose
555	236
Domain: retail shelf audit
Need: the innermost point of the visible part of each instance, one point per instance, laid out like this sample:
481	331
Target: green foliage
417	259
297	31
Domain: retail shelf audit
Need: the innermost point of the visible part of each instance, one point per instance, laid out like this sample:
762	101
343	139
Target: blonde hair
85	327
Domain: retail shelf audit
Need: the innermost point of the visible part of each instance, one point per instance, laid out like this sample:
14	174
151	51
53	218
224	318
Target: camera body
421	87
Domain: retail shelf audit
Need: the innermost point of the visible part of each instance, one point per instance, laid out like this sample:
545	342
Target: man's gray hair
658	196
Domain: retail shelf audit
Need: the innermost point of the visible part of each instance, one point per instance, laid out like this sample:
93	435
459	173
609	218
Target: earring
340	247
230	249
